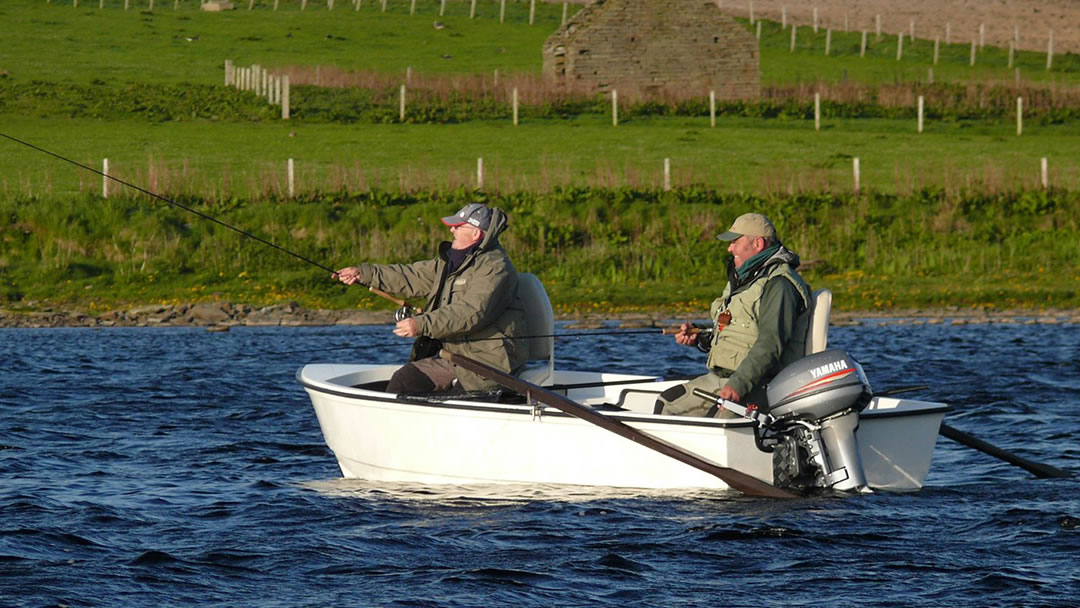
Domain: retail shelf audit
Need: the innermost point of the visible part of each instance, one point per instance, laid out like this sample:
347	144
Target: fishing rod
211	218
562	335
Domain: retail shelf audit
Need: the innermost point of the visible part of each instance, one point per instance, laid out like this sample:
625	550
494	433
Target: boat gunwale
359	394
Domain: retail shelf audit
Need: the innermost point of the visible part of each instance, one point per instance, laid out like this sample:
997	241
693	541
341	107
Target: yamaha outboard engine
814	405
810	424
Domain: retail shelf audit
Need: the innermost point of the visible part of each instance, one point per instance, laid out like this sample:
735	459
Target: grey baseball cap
753	224
476	214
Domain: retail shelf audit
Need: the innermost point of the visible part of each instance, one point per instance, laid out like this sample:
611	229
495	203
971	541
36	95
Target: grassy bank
606	250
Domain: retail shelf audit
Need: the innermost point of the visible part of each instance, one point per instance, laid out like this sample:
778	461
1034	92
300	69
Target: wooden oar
737	480
1040	470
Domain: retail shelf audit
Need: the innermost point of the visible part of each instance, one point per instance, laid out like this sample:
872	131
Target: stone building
681	47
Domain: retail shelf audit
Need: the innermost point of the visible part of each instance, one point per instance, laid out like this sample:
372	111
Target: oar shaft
1038	469
735	479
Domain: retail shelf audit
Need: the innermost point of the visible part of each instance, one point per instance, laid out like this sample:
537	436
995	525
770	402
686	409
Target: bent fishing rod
211	218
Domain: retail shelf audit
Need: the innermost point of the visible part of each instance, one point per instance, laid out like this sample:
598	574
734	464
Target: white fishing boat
824	430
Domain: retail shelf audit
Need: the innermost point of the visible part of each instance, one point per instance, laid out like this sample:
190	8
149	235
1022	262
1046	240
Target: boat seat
539	321
817	331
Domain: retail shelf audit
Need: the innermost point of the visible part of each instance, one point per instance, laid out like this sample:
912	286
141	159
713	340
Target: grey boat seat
539	321
817	331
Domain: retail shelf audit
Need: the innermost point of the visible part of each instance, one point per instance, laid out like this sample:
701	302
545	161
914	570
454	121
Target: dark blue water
167	467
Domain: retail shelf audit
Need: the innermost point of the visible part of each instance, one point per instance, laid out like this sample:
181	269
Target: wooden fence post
1012	51
229	73
479	172
794	28
712	108
899	45
759	30
1019	115
973	50
937	46
783	17
817	111
1045	176
877	25
828	40
442	7
401	107
862	47
472	9
920	113
515	103
285	97
564	9
614	108
1050	51
290	170
948	33
855	172
105	178
502	11
532	11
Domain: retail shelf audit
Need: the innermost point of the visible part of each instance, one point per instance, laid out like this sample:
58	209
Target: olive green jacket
475	311
769	316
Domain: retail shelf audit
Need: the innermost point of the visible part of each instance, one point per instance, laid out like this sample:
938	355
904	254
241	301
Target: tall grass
622	247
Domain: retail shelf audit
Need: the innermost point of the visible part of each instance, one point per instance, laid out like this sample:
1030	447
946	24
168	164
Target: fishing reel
405	312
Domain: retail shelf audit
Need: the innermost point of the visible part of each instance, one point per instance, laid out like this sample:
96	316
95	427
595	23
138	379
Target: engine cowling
815	403
818	386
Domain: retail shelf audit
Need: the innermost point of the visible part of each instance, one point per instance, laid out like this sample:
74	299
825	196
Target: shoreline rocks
222	315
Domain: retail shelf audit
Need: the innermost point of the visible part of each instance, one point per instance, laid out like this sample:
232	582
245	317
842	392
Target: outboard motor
815	404
810	425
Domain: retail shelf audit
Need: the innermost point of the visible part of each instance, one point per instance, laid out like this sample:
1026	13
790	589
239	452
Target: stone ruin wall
651	47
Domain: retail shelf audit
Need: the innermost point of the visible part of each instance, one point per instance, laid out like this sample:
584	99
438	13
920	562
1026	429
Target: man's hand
406	328
729	393
687	335
348	275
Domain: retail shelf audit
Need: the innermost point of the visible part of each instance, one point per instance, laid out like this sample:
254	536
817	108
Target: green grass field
739	155
225	150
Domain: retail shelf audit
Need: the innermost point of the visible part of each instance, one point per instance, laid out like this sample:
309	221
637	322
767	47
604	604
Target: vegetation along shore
971	215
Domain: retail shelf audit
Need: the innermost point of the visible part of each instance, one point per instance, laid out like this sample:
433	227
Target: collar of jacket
741	280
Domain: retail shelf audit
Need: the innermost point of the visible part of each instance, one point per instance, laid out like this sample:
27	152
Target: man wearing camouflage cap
759	323
473	308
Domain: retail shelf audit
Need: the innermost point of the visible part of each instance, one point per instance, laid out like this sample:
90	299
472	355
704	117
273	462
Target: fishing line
171	202
402	343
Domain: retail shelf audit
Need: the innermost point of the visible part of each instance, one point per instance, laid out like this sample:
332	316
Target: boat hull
378	436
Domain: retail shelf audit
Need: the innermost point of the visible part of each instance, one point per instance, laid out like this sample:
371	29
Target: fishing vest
732	342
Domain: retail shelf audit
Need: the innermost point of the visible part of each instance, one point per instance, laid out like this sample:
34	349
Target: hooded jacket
475	311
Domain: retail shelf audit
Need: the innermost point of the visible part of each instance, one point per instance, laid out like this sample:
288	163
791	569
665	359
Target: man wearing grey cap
473	308
758	325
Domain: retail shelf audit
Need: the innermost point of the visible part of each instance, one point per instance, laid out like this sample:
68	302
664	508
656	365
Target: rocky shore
219	316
